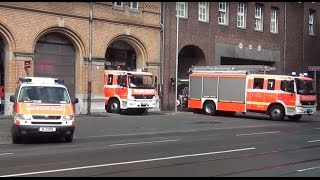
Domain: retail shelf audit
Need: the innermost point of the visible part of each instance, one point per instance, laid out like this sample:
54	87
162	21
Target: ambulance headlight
23	116
155	97
68	117
131	98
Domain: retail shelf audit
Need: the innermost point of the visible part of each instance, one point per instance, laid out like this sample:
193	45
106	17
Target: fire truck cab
129	90
244	88
42	106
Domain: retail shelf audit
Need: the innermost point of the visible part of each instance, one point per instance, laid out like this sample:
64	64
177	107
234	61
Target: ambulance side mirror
75	100
12	98
155	81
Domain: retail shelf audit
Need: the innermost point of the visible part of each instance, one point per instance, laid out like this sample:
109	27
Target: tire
295	117
107	109
69	138
140	111
16	138
276	112
114	106
209	108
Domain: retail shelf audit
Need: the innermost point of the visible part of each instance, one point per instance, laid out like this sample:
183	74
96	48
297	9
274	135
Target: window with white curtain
203	11
223	13
312	22
241	16
133	5
274	20
258	26
182	9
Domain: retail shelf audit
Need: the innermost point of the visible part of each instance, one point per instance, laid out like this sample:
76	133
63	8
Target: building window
223	13
241	17
274	20
203	9
133	5
118	4
182	9
258	26
312	22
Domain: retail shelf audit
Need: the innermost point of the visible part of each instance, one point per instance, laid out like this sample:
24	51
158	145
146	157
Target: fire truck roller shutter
196	90
210	87
231	94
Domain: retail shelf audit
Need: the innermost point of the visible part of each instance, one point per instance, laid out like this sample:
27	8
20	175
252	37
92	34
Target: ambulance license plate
47	129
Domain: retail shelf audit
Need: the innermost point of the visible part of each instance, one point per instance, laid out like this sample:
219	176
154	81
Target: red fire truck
129	90
244	88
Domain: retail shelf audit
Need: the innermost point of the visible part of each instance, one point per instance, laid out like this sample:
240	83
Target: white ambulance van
42	106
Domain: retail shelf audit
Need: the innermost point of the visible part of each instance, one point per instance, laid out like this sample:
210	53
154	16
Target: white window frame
312	22
258	16
274	20
116	4
182	9
241	15
203	11
131	5
223	13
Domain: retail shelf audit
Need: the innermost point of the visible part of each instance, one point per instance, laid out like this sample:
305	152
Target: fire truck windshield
43	94
304	87
141	82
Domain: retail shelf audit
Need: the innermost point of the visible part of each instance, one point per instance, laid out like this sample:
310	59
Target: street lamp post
177	53
90	60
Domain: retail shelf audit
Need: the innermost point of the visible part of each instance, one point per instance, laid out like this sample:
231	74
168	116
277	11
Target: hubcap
209	108
114	106
276	113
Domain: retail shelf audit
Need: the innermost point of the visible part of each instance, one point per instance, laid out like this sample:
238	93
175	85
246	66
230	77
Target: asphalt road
182	144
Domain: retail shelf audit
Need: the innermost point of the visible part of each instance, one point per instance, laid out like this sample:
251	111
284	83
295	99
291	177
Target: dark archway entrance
2	59
121	55
55	57
189	55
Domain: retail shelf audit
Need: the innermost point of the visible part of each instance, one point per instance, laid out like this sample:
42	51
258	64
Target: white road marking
165	132
128	162
146	142
313	141
317	128
300	170
1	154
272	132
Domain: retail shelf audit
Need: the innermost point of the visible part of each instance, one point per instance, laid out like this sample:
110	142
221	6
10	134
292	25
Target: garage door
55	57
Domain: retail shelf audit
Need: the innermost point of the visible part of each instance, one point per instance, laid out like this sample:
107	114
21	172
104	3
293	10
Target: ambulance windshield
304	86
43	94
141	82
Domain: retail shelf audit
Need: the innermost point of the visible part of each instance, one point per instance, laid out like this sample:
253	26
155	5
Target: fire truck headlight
68	117
23	116
131	98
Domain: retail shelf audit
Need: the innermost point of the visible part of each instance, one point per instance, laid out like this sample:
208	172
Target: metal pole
177	53
90	60
285	38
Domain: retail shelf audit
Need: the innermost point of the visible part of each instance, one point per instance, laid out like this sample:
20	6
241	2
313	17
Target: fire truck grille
45	122
143	96
46	117
308	102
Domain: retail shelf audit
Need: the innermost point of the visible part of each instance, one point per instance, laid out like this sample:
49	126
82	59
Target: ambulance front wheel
209	108
16	137
69	137
276	112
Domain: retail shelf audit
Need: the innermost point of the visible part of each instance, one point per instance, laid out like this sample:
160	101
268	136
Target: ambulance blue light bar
24	80
59	81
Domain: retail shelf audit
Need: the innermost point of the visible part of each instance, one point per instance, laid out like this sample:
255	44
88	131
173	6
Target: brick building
284	35
54	37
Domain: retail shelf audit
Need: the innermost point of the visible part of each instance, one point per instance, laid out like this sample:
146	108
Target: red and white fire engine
244	88
129	90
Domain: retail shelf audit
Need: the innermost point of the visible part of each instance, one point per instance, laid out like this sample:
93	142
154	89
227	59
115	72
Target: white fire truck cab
42	106
129	90
248	88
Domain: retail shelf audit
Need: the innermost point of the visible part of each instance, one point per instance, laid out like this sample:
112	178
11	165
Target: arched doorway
2	59
55	57
189	55
121	55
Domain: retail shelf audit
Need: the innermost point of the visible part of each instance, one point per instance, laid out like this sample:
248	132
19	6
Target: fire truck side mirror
12	98
172	81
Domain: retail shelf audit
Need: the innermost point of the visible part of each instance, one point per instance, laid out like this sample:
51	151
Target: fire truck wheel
114	106
276	112
295	117
209	108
